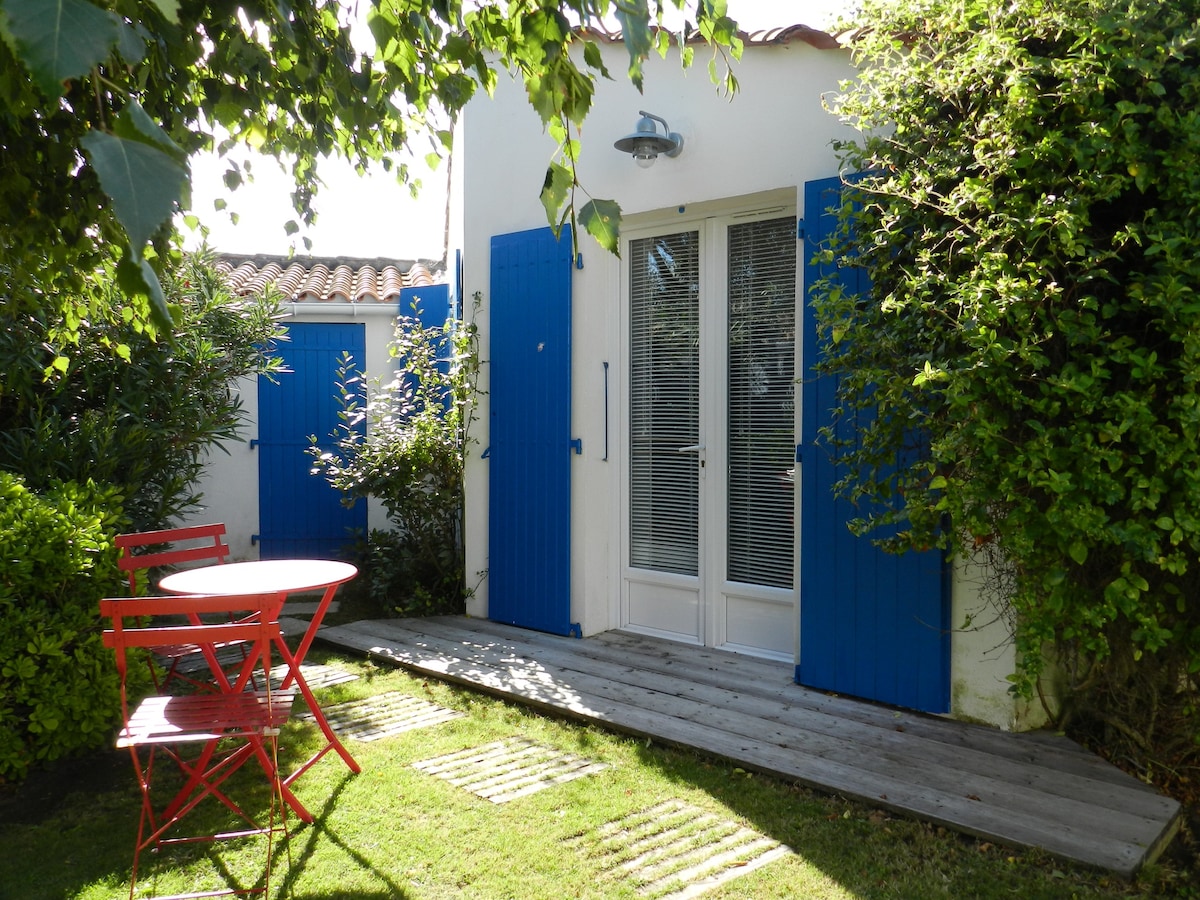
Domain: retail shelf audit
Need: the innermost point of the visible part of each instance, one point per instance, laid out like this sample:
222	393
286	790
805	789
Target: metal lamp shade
647	142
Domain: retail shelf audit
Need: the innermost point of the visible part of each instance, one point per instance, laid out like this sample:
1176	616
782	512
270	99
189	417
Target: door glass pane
664	357
762	402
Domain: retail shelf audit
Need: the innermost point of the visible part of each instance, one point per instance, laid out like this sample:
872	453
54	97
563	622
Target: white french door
710	432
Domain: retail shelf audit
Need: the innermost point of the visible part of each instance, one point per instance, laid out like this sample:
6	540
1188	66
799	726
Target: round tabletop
263	576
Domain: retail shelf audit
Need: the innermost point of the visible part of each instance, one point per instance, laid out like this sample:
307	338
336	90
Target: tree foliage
1027	215
127	409
102	102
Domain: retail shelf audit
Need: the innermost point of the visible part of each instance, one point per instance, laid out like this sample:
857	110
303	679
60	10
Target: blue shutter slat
300	515
872	624
529	453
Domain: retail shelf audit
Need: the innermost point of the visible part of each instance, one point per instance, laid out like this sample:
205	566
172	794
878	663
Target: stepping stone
383	715
675	851
308	607
508	769
290	626
317	676
228	657
231	658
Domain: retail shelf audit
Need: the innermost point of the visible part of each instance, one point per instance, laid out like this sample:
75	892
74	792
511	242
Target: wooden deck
1024	790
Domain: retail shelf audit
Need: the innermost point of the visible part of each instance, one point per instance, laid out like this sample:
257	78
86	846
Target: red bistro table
282	577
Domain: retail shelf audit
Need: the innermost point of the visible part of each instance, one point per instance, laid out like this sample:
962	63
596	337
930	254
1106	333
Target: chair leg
200	783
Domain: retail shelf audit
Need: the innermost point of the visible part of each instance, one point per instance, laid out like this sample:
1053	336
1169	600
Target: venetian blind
664	402
762	401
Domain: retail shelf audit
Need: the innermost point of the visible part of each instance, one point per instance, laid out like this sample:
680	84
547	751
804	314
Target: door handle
692	448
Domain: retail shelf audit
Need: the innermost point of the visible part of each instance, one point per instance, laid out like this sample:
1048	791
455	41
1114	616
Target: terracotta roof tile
343	280
822	40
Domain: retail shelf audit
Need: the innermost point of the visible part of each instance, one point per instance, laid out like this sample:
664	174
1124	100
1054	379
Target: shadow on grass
303	846
873	852
68	831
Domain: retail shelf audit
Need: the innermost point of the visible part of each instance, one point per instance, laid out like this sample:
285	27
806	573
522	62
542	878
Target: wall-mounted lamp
647	142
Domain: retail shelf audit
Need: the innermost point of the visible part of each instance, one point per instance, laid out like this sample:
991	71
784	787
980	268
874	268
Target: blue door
529	520
872	624
300	515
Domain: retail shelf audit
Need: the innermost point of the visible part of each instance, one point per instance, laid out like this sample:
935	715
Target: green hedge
58	685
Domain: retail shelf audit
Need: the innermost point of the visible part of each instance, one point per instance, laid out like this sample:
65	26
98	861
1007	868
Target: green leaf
554	190
169	9
591	56
135	124
634	17
1079	552
59	39
144	183
602	219
131	43
136	276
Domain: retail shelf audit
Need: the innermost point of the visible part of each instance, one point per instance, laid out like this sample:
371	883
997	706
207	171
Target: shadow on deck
1030	790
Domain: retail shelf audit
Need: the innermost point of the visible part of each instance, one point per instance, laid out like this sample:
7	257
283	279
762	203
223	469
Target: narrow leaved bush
125	405
1027	214
58	682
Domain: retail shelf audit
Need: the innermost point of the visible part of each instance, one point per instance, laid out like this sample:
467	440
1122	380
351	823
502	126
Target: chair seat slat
206	717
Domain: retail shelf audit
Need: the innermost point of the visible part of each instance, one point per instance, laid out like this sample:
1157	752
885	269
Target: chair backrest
134	625
193	543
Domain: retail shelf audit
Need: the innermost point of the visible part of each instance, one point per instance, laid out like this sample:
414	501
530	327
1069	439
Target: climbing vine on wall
1027	216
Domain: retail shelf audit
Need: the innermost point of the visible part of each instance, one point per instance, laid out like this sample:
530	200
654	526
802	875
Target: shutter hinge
799	452
579	260
486	453
253	443
254	539
577	446
799	229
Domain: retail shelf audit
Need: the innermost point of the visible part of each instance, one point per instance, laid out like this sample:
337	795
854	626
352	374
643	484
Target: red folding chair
209	735
144	550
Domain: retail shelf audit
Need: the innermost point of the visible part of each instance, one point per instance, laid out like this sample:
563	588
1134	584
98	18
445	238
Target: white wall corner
983	654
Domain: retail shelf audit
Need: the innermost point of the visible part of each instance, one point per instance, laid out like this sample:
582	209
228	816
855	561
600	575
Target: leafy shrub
58	684
128	407
1028	219
411	458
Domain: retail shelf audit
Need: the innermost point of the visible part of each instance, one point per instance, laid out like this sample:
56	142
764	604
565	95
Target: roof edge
779	36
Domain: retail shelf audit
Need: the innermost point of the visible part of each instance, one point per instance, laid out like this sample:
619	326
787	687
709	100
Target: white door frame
703	604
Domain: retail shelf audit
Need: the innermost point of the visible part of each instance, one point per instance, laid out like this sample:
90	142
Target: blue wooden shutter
529	520
872	624
300	515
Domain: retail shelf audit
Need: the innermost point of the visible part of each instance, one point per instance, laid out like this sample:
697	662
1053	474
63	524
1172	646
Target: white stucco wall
758	149
983	655
230	482
773	136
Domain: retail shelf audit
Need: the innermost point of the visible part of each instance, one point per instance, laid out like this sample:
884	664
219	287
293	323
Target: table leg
311	632
333	742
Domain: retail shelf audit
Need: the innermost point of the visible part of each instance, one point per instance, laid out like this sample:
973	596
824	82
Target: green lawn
395	831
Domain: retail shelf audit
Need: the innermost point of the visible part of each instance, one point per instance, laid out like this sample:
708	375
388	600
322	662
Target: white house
260	486
646	457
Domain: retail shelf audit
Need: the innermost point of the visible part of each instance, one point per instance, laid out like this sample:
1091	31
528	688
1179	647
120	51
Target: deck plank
821	732
995	785
773	681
